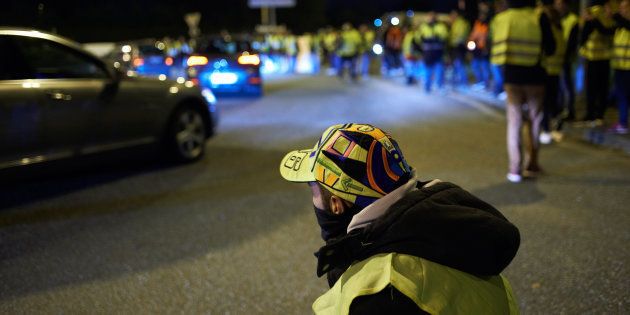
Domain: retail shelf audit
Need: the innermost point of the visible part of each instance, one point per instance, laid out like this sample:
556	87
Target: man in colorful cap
396	245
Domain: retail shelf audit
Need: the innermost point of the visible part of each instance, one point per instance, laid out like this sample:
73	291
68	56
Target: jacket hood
442	223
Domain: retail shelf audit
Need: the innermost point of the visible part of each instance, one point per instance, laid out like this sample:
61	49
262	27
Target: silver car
59	101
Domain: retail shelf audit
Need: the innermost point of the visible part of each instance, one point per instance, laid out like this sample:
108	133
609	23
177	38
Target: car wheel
187	135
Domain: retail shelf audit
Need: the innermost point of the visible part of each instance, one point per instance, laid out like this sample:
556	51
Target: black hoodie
442	223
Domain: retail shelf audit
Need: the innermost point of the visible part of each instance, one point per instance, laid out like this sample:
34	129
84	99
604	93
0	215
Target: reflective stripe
598	46
553	63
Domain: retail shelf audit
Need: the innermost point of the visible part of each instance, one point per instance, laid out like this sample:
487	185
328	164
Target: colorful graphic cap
357	162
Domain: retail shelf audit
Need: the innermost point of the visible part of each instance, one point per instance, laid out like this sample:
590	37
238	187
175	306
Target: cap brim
296	166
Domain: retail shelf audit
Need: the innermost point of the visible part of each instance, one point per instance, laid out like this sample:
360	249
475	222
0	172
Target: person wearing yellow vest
520	38
367	40
412	54
348	50
395	244
596	49
553	68
460	29
570	31
621	65
478	45
433	36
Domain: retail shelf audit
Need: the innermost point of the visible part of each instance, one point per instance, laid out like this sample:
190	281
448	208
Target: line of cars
230	66
59	101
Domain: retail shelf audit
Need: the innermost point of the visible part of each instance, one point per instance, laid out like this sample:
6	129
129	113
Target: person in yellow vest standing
412	54
460	29
434	35
621	65
367	40
570	31
553	67
520	38
395	244
348	50
596	49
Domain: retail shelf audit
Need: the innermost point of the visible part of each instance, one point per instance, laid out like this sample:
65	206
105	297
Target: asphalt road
228	236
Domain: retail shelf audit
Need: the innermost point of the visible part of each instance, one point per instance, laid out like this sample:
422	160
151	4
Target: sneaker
618	129
545	137
557	136
514	178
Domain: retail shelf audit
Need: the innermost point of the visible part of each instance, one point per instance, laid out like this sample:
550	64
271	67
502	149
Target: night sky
107	20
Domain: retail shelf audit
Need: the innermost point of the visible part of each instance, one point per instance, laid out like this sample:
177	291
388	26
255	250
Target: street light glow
377	49
378	22
395	21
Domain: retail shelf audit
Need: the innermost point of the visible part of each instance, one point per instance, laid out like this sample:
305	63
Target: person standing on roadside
460	29
519	40
596	48
621	65
570	32
348	50
433	35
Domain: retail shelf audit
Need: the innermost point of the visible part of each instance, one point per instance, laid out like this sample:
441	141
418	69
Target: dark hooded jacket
441	223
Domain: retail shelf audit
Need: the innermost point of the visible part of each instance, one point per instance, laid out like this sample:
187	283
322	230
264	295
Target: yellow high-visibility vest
434	288
407	44
621	49
553	63
598	46
438	30
516	38
459	32
568	23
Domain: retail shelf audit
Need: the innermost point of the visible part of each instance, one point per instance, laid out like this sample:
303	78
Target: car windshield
219	46
149	50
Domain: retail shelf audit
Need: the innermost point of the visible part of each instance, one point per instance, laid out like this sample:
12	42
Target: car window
222	47
50	60
12	63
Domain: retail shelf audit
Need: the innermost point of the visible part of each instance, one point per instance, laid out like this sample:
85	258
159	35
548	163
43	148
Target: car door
73	88
22	136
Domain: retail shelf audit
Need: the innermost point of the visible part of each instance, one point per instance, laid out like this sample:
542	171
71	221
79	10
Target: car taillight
168	61
254	80
196	61
138	62
247	59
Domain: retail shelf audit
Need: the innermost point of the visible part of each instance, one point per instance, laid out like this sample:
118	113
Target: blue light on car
209	96
217	78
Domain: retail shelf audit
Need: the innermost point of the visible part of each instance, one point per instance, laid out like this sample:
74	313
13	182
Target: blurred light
138	62
395	21
378	22
160	45
181	80
223	78
223	62
249	59
196	61
189	84
126	49
30	85
168	61
116	64
209	96
471	45
377	49
410	13
255	80
162	77
173	90
126	57
131	73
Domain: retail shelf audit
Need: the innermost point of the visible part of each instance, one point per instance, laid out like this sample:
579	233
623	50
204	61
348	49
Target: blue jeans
497	75
433	71
481	69
459	72
622	82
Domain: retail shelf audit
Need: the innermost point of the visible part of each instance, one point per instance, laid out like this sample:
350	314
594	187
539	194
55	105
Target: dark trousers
550	102
569	89
622	88
352	61
597	85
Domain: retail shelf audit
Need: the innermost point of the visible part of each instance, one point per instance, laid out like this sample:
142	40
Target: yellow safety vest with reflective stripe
407	44
568	23
621	49
350	43
516	38
435	288
437	30
459	32
553	63
598	46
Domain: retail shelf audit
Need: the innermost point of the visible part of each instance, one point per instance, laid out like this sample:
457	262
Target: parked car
229	66
59	101
145	58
